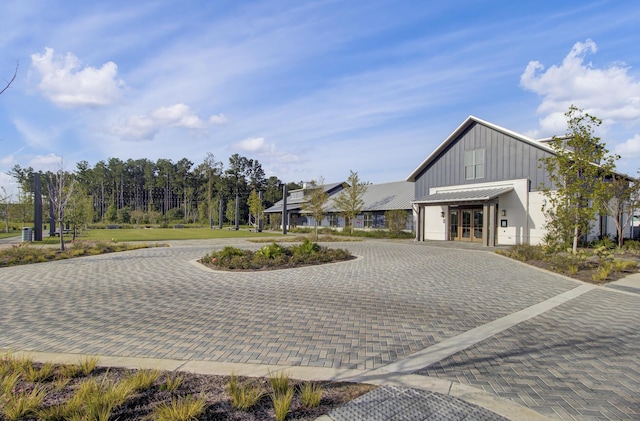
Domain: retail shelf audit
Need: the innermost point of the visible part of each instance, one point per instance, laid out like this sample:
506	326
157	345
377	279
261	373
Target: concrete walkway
441	328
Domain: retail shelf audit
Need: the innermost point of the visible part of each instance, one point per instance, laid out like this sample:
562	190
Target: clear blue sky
309	88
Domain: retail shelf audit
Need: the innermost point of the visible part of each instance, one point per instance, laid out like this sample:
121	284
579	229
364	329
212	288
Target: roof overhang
462	196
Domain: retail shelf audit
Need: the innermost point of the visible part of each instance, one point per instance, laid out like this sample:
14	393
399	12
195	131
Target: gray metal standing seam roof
385	196
378	197
466	195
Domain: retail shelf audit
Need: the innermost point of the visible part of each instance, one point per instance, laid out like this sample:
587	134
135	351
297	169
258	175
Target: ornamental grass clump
141	379
88	364
172	383
279	382
243	395
180	409
34	374
21	403
282	403
310	394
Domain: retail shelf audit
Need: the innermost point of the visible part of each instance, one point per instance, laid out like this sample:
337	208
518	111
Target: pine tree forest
142	191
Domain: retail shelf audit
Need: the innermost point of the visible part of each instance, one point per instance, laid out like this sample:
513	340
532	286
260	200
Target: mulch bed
219	406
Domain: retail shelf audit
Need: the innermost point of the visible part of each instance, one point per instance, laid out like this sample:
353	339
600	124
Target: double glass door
466	224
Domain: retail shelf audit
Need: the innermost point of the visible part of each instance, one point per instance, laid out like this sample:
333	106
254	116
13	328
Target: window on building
333	220
367	219
474	164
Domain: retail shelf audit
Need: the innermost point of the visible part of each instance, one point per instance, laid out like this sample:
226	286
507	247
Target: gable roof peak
465	124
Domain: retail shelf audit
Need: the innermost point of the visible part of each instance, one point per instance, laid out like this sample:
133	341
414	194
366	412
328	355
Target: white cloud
65	83
267	152
218	119
178	115
136	127
630	148
610	93
254	145
49	162
145	127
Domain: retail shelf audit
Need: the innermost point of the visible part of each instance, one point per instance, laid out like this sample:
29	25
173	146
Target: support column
492	221
37	207
284	210
486	231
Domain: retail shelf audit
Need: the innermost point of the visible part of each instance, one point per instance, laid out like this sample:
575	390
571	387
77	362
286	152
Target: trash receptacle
27	234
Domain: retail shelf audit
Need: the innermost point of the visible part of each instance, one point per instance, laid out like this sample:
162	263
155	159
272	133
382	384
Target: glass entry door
477	224
465	227
466	224
453	225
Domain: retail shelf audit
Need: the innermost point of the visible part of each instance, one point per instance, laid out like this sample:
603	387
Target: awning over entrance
470	195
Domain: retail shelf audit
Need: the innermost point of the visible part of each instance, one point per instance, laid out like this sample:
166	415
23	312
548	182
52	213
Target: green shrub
604	253
603	272
525	252
306	248
632	245
271	251
275	256
624	265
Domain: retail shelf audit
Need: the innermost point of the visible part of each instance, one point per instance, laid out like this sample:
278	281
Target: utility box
27	234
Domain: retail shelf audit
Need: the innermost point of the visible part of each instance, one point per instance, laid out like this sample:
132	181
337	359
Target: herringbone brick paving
580	360
396	299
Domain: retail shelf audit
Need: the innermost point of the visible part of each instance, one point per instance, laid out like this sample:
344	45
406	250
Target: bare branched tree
61	186
5	200
15	73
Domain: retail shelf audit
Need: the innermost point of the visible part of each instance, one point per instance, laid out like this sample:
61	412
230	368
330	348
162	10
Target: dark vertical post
284	209
221	213
52	213
237	211
37	207
259	216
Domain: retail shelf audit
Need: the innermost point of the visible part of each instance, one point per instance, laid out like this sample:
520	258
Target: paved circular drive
557	346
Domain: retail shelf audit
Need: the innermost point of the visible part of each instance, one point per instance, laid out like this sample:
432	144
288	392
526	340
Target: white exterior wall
515	204
537	230
435	226
525	220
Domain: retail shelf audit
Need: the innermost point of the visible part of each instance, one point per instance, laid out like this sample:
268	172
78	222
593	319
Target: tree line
144	191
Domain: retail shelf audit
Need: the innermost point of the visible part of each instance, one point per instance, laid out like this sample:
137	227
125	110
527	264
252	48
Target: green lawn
164	234
10	234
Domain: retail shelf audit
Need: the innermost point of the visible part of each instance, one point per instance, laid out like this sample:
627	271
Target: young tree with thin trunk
349	201
578	171
621	200
61	188
315	203
256	207
5	201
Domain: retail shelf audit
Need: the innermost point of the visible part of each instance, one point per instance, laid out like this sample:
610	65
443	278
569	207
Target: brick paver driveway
398	298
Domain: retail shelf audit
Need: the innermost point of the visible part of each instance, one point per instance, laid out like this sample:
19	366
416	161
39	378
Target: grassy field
10	234
163	234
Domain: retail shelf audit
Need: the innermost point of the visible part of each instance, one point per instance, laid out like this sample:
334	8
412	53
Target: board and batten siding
505	158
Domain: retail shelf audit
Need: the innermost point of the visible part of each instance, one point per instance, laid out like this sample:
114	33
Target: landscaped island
274	256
